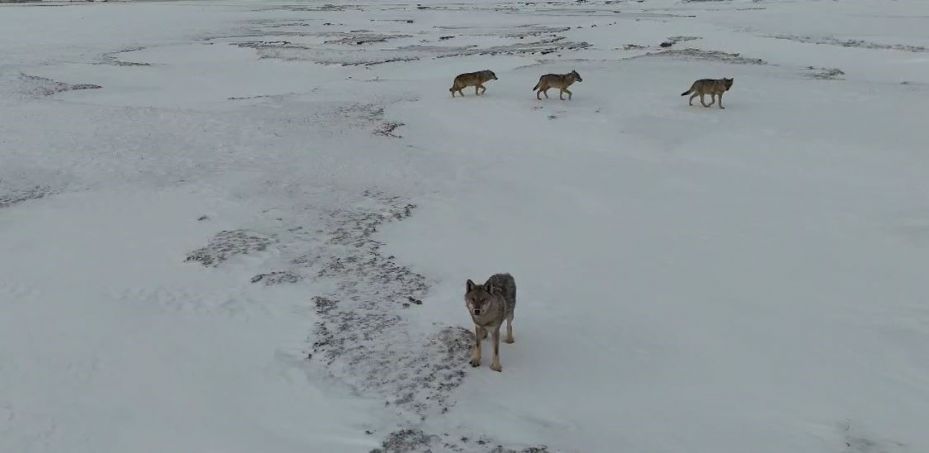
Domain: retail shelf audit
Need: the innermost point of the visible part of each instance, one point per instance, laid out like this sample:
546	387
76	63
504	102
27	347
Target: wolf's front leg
495	336
479	333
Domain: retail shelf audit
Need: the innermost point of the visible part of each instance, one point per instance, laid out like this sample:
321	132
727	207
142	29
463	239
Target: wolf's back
507	284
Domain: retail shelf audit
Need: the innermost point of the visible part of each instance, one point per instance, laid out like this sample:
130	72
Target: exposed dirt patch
859	43
362	337
277	278
676	39
710	55
11	196
227	244
541	47
40	86
857	442
112	58
273	97
406	441
325	7
417	441
369	116
825	73
387	129
362	38
348	47
265	44
329	55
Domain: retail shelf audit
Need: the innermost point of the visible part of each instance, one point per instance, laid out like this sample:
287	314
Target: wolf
475	79
713	87
489	304
560	81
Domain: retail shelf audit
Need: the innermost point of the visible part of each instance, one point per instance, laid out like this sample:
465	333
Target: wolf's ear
469	285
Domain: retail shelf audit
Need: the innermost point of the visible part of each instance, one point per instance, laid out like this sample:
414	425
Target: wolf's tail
687	92
536	87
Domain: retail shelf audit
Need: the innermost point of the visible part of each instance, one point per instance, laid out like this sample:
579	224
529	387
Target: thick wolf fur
560	81
475	79
713	87
489	304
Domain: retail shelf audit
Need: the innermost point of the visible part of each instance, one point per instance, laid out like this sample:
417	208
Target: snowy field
246	227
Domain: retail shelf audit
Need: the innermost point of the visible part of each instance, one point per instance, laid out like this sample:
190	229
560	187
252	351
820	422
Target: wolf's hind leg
692	99
509	329
703	101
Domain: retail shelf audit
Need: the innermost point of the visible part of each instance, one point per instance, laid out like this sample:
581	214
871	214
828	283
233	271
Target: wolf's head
489	75
478	298
576	76
728	83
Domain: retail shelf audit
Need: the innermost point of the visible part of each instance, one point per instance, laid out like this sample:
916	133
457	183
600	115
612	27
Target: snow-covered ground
246	226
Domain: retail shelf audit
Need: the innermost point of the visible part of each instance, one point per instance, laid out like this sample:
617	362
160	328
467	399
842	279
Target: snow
254	235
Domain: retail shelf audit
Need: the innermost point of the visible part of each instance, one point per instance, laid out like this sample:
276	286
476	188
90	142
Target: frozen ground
246	226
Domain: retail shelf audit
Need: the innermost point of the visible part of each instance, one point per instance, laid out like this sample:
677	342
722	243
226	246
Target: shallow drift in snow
247	226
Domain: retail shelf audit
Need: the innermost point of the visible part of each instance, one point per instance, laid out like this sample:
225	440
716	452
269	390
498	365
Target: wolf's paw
509	340
496	367
475	362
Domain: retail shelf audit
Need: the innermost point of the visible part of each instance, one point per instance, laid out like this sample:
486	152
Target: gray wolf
560	81
489	304
713	87
475	79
